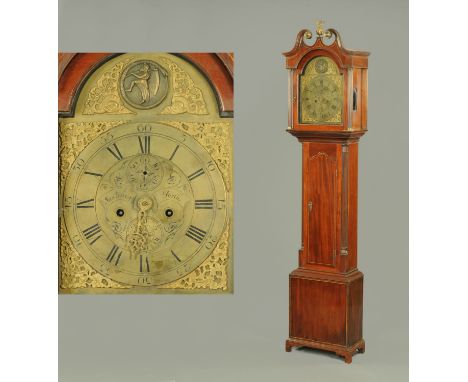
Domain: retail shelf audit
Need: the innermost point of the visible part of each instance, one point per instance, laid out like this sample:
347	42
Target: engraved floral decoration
212	273
215	137
74	271
186	97
74	137
104	98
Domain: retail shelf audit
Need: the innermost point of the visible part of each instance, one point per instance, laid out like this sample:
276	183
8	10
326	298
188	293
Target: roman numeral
174	254
142	263
204	204
113	254
196	174
85	204
195	234
145	144
115	151
174	152
92	231
93	173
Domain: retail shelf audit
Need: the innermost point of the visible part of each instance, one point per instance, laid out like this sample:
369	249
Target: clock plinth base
341	351
325	311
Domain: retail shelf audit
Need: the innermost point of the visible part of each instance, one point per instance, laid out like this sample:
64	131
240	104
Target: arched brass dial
321	92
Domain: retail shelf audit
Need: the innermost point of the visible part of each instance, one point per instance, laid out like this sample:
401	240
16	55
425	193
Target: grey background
240	337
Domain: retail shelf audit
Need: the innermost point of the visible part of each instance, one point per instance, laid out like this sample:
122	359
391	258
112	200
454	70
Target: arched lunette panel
76	68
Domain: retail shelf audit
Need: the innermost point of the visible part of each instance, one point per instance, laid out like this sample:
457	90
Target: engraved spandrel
186	97
145	84
103	98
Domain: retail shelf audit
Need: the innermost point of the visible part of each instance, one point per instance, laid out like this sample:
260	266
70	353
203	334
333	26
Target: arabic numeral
143	280
68	202
144	128
211	166
79	164
210	243
106	138
104	269
76	240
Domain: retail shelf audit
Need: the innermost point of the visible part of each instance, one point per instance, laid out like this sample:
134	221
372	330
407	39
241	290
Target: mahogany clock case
328	115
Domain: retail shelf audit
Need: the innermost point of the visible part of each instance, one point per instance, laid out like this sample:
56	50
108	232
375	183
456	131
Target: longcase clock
328	115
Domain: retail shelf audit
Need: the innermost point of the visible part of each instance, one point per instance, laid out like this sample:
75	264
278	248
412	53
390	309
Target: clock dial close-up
146	180
144	208
321	92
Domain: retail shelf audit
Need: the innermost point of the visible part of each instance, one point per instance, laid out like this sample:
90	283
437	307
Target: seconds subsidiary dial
144	204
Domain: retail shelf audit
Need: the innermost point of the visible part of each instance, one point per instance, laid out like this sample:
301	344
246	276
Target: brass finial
320	31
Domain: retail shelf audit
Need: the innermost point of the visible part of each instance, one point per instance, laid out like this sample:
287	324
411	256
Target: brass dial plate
144	204
321	93
168	230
